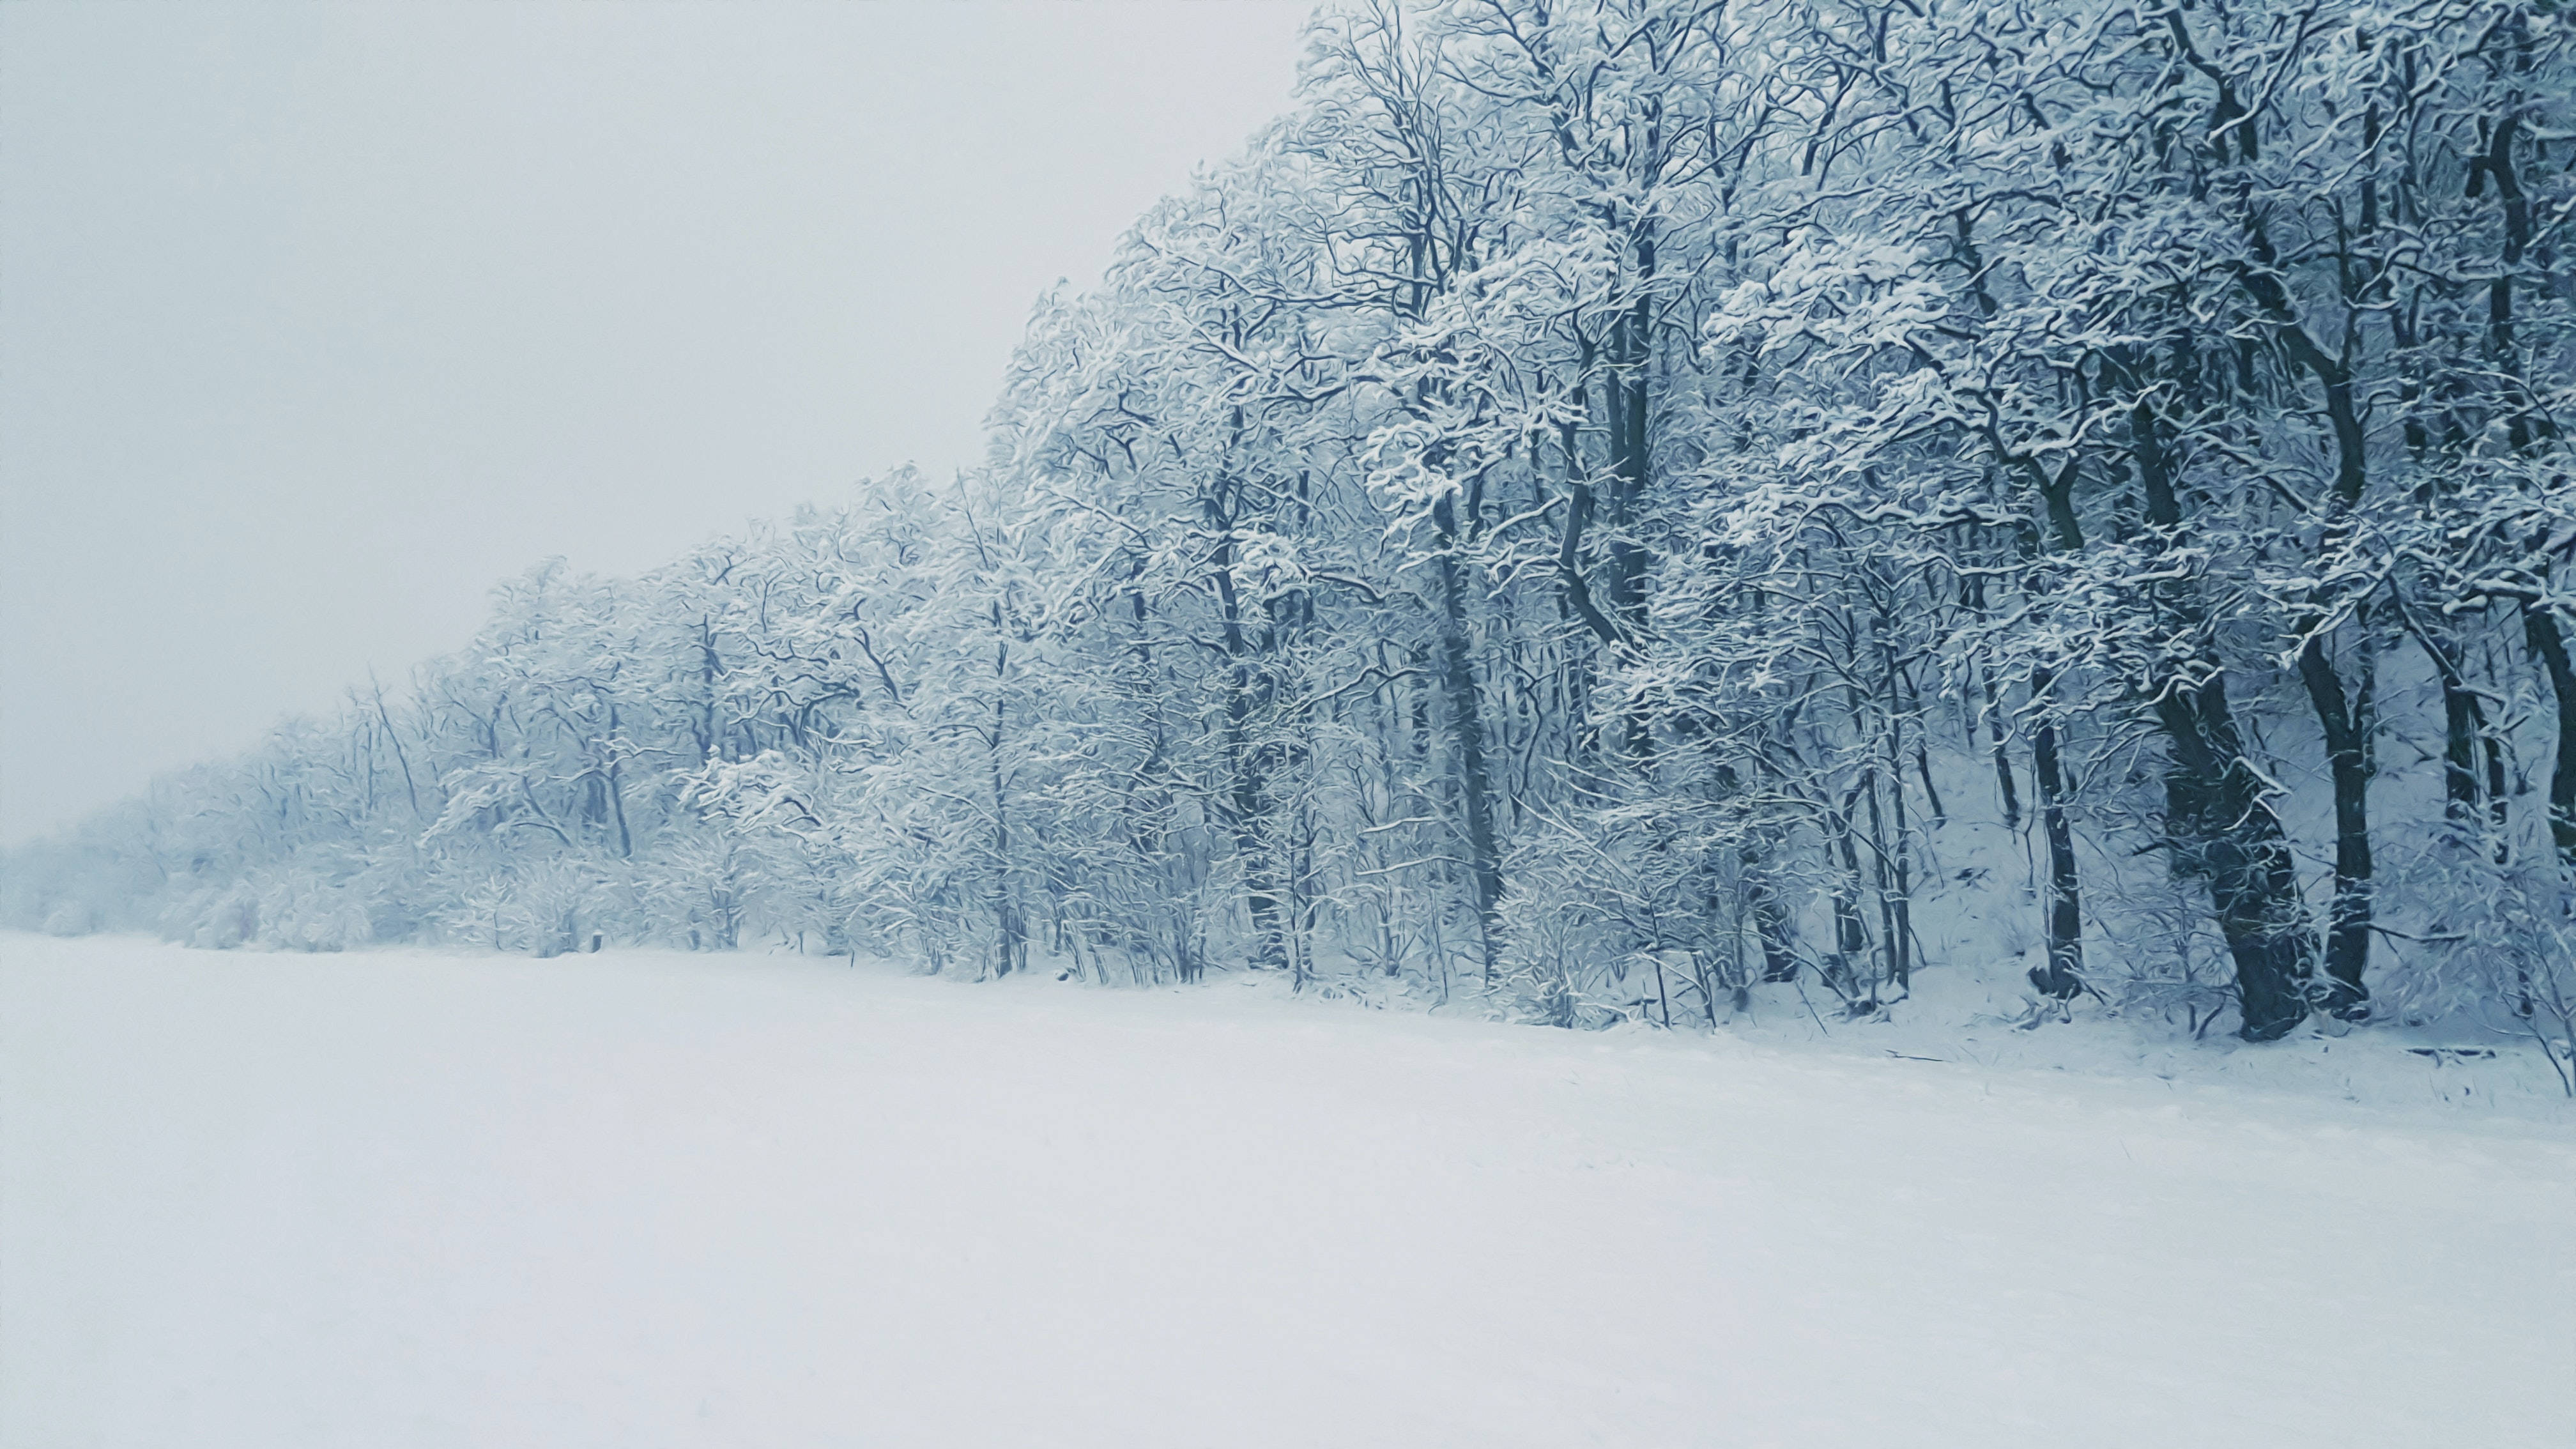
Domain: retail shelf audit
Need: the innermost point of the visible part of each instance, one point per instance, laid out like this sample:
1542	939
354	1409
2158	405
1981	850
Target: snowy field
405	1199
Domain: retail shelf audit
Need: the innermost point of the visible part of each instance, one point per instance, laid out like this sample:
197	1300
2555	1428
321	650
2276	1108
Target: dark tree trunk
1770	923
2541	630
2526	428
617	795
2345	724
1629	393
2465	738
2347	757
1899	891
2218	823
1851	933
2063	976
2223	831
1467	733
2459	739
1248	797
1010	929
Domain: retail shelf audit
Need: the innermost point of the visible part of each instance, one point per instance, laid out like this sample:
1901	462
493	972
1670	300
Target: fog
317	322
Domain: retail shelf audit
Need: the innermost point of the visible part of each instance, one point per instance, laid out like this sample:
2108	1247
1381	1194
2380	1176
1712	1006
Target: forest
1614	509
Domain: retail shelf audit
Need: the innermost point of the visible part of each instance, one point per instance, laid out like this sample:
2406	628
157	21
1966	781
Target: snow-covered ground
399	1198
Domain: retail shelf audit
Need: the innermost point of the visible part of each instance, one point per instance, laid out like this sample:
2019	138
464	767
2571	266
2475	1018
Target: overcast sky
317	321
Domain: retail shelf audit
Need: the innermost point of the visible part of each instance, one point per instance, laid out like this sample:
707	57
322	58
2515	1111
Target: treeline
1617	504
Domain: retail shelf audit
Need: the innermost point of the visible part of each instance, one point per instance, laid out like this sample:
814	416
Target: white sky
318	321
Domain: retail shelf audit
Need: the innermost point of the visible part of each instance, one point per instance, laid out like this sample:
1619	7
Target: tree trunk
1467	734
1010	931
2459	736
1851	936
2346	729
2347	757
1770	921
2218	823
2223	830
1248	798
2063	976
2465	738
2547	639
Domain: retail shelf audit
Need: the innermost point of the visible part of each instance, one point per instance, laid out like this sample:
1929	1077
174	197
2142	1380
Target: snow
408	1199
